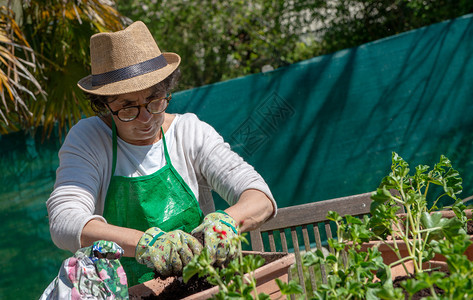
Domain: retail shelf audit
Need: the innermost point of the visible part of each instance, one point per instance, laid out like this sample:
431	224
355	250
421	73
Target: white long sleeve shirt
197	152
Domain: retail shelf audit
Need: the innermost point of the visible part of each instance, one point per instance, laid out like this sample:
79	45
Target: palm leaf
14	71
44	92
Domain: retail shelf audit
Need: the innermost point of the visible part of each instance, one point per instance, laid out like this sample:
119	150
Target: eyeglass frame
139	106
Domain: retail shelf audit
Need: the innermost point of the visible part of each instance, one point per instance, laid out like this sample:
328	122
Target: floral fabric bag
93	272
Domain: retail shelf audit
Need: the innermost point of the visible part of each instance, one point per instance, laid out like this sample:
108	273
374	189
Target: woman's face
145	129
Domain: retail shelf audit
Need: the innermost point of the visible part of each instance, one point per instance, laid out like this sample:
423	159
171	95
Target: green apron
161	199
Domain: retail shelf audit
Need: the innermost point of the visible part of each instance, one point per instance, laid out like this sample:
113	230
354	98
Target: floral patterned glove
218	229
166	252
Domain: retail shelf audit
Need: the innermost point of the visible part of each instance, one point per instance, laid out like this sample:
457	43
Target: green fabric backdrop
326	127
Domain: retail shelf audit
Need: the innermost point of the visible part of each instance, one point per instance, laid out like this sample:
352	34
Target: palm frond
15	70
43	57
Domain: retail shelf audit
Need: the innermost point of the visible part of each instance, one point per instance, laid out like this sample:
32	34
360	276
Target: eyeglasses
129	113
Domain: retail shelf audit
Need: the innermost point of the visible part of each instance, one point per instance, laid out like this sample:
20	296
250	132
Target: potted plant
408	236
369	255
262	275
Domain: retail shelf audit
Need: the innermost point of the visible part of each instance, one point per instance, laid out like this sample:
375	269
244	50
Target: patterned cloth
93	272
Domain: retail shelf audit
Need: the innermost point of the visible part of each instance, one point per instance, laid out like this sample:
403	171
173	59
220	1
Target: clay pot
399	270
265	277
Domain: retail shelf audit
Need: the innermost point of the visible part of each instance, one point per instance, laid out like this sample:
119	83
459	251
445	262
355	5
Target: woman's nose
144	115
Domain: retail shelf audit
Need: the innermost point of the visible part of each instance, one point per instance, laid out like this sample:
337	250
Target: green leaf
190	270
413	286
334	216
252	262
381	195
262	296
430	279
331	258
445	227
292	287
335	244
311	259
389	292
353	220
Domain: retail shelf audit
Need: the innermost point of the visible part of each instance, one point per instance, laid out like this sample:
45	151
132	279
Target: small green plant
419	226
351	273
455	285
235	280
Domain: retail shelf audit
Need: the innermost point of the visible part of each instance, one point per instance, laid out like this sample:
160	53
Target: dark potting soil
178	289
420	294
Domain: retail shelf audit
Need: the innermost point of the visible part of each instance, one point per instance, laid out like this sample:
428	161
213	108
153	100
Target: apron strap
114	146
166	154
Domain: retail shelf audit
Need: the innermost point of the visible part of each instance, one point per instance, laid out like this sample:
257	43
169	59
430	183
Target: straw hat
126	61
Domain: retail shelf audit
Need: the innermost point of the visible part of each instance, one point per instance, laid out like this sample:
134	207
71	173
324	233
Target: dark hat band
130	71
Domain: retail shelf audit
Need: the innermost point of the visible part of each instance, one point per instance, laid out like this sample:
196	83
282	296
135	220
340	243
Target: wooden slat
297	254
282	235
328	231
318	243
272	244
305	235
317	212
256	240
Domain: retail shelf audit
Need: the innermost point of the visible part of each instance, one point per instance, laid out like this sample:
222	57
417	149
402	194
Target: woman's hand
166	252
218	229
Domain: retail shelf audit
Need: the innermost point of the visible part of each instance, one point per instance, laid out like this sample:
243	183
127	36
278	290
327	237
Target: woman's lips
145	129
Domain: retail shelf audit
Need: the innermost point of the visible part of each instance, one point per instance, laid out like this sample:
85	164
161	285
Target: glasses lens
157	106
128	114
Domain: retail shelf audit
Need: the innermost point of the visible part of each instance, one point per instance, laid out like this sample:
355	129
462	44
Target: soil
178	289
420	294
199	236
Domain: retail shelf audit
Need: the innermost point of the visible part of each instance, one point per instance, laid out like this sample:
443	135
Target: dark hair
97	102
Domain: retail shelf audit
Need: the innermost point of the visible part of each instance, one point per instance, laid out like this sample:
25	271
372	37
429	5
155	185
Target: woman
141	177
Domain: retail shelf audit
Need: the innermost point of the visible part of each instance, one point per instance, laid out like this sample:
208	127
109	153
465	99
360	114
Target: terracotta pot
265	277
399	270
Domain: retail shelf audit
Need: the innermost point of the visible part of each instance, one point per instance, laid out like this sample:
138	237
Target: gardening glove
219	231
166	252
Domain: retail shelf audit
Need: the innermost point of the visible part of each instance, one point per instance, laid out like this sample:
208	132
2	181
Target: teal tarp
326	127
318	129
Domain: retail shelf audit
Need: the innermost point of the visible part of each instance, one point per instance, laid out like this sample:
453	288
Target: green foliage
458	284
418	227
292	287
425	233
235	280
219	40
351	272
356	274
